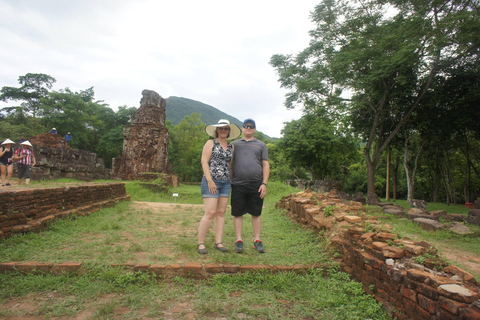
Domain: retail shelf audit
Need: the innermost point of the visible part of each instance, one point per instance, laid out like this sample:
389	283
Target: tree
373	69
34	87
186	143
110	142
314	145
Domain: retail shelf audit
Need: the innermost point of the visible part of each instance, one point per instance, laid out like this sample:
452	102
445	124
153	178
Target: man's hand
263	191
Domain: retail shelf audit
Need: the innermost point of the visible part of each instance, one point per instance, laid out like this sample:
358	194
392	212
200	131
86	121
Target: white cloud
213	51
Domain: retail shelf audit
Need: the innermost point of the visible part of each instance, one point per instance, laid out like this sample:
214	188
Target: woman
26	160
216	156
6	161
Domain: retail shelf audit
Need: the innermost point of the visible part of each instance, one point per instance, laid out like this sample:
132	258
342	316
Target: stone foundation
31	209
385	264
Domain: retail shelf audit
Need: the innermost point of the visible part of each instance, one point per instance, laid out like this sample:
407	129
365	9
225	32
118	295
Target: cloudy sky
213	51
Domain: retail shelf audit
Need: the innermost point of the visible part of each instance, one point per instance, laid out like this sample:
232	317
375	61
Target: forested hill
178	108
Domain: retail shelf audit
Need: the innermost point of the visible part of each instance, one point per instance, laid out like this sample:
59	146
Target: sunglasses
249	127
224	128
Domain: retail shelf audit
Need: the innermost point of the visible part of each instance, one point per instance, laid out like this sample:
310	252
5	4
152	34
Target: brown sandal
202	251
222	249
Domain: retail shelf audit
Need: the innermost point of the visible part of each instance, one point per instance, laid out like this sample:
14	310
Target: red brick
410	307
231	268
157	269
408	293
44	266
382	294
422	313
141	267
436	281
418	275
384	236
427	291
66	267
173	270
195	270
469	313
213	268
254	267
451	306
370	260
276	269
426	303
27	267
393	252
8	266
464	275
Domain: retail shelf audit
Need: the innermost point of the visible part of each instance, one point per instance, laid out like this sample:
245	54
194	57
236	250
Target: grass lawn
140	232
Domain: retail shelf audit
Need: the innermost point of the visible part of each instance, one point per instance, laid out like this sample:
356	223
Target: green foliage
186	144
34	87
328	211
386	63
313	144
29	127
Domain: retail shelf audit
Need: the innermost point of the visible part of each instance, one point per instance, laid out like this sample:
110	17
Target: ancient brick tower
145	144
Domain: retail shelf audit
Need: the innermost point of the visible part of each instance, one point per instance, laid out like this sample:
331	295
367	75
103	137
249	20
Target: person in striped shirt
25	161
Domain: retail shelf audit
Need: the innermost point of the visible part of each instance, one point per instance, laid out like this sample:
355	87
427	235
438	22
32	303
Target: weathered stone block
474	217
428	224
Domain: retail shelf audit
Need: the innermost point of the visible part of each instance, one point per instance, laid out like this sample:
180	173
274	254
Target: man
251	170
25	161
68	138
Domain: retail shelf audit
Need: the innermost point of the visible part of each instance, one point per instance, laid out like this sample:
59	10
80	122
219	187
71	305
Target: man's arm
266	174
266	171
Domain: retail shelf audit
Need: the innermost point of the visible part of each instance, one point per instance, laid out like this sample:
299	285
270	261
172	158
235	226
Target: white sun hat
26	143
8	141
234	129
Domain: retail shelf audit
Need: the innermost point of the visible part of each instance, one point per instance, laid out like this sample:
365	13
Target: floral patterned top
220	160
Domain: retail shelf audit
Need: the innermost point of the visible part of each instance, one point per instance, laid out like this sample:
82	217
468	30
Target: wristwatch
266	184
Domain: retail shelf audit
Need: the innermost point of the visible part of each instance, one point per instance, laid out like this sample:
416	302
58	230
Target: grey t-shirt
247	161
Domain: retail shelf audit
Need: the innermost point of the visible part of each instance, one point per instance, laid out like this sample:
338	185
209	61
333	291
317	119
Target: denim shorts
223	188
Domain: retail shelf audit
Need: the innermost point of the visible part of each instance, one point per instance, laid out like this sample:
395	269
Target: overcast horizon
215	52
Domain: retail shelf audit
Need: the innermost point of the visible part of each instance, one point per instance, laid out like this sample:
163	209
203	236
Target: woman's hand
212	187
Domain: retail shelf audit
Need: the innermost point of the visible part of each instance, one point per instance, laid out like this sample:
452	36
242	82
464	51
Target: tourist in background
6	161
251	171
216	157
68	138
25	161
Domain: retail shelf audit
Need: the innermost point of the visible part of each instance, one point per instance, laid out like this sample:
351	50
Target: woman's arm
206	155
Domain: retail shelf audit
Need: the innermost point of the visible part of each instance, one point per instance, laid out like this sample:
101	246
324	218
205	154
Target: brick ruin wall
56	160
383	262
32	209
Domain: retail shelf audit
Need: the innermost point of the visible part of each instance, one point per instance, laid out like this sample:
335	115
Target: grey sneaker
239	246
258	245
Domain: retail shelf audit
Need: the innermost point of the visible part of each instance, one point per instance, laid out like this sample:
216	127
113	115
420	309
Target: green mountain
178	108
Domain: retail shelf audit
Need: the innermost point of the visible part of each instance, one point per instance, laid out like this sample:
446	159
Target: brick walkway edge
194	270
